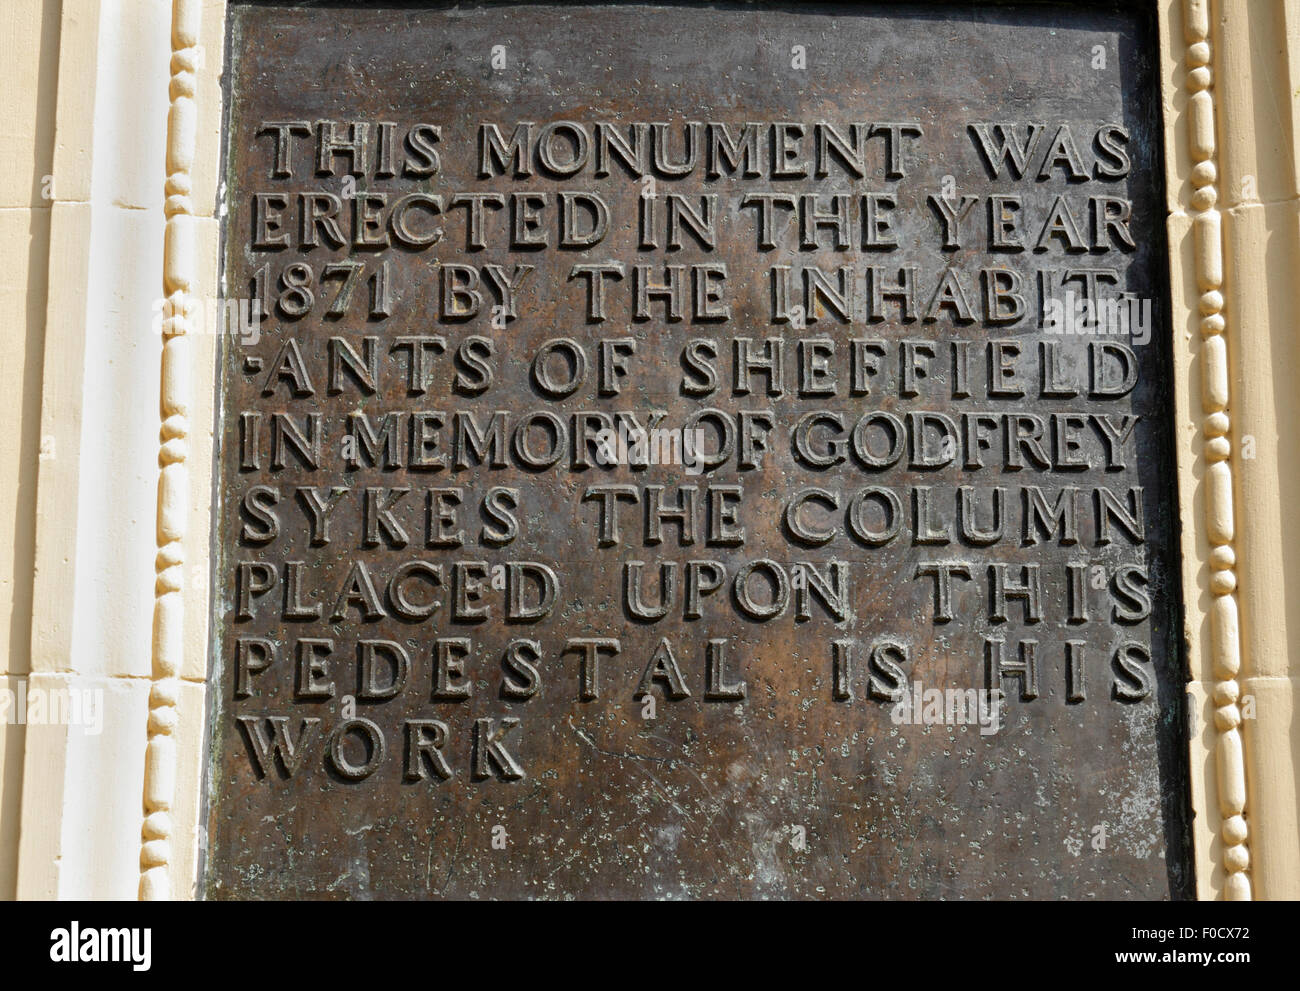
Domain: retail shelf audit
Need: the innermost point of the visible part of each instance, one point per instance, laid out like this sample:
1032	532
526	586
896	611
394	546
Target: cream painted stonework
109	389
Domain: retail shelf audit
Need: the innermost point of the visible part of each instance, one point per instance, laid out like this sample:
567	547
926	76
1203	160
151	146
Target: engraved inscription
633	446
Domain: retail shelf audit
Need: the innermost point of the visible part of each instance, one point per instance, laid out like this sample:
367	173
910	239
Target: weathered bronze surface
449	659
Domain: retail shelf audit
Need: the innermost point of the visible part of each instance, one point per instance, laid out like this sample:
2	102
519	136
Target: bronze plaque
675	451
